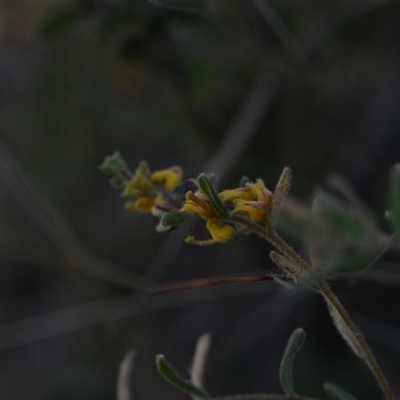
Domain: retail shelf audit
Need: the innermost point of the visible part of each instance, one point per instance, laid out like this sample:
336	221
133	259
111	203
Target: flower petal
170	177
241	193
220	233
142	204
195	205
140	185
255	210
260	192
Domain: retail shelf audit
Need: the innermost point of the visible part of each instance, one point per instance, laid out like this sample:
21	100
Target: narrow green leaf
394	203
335	392
208	188
342	326
286	371
280	192
172	376
199	359
173	219
287	265
125	376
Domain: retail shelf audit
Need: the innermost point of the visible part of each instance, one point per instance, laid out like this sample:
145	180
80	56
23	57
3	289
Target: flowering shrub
253	208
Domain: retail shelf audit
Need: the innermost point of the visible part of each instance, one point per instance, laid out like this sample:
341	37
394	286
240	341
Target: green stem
368	356
322	287
272	237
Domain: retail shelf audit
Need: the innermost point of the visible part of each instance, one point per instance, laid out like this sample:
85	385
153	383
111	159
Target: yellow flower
255	210
143	204
149	197
219	232
196	205
137	187
160	205
140	185
260	192
254	200
231	195
170	177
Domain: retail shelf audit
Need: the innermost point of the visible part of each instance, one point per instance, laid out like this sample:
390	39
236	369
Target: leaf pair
286	375
173	377
295	343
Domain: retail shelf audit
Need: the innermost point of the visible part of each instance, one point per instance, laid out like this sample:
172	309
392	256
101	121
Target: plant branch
366	353
349	331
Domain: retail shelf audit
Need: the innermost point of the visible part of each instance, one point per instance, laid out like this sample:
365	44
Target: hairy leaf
172	219
335	392
286	372
172	376
208	188
281	190
113	164
344	329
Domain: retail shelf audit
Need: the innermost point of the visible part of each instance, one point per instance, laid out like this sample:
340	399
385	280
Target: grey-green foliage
209	190
286	371
335	392
170	220
116	166
295	343
172	376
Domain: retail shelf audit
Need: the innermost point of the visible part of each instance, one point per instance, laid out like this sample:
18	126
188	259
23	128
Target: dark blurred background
236	87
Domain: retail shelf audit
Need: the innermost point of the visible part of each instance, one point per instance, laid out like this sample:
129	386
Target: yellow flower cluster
197	204
163	194
254	201
143	186
166	195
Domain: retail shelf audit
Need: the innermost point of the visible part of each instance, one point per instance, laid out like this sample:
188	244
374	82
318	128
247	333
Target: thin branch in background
55	323
199	360
206	283
282	32
335	18
58	230
125	375
109	310
255	107
332	22
252	326
20	246
339	184
364	271
378	331
389	278
205	16
361	211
